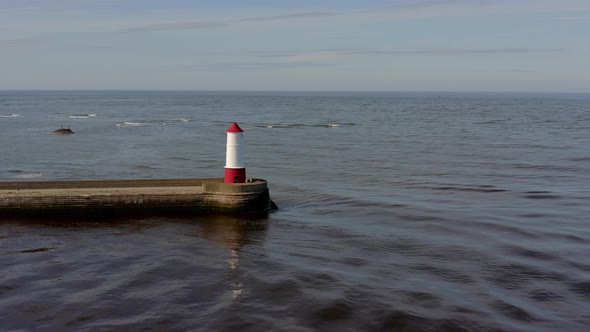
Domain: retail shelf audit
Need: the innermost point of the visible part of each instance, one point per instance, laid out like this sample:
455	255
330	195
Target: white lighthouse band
235	170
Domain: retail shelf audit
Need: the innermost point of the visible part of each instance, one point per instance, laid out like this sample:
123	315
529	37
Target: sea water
398	211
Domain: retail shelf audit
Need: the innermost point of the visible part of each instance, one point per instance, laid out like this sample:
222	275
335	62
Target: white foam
9	116
28	176
83	116
130	124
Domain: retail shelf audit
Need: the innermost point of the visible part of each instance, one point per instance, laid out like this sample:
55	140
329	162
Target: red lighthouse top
234	128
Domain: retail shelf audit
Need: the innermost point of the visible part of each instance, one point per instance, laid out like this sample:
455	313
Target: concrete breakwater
97	197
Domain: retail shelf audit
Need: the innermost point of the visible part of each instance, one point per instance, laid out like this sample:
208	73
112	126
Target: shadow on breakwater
230	231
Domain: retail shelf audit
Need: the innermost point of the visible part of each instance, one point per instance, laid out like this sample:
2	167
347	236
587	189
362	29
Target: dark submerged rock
63	131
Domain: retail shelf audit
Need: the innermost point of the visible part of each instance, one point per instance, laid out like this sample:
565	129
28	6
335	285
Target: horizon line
295	91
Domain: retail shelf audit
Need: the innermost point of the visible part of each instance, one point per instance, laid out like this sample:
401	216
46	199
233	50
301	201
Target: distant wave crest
301	125
82	116
131	124
29	175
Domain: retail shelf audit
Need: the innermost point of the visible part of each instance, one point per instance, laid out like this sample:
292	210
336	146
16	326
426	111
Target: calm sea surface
398	212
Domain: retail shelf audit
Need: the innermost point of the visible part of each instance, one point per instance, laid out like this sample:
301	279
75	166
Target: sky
301	45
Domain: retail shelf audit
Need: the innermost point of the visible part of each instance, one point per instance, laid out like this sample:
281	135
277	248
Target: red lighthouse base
235	175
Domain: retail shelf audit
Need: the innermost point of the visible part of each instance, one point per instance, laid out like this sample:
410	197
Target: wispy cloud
247	66
19	9
462	8
287	17
19	42
176	26
573	18
459	51
399	11
326	58
326	55
525	71
197	25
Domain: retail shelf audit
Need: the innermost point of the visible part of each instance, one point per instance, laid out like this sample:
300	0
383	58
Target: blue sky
345	45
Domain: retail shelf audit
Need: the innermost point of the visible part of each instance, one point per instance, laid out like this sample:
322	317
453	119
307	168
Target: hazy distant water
399	211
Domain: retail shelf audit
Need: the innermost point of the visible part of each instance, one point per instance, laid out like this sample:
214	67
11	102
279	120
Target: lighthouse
235	171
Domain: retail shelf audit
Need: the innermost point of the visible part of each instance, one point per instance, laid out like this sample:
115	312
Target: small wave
167	122
83	116
558	168
444	273
282	126
144	167
28	251
336	310
479	189
404	321
130	124
531	253
542	196
9	116
581	288
513	311
178	158
491	121
513	276
29	175
543	295
302	125
335	125
534	215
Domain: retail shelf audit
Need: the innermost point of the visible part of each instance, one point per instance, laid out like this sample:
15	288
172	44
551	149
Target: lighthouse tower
235	171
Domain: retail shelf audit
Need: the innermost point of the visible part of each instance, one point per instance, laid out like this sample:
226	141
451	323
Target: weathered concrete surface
133	196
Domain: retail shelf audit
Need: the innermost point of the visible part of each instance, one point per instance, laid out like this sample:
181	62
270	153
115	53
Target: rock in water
273	206
63	131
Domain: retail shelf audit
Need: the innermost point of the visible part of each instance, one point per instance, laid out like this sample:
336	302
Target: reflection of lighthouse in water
238	286
233	233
